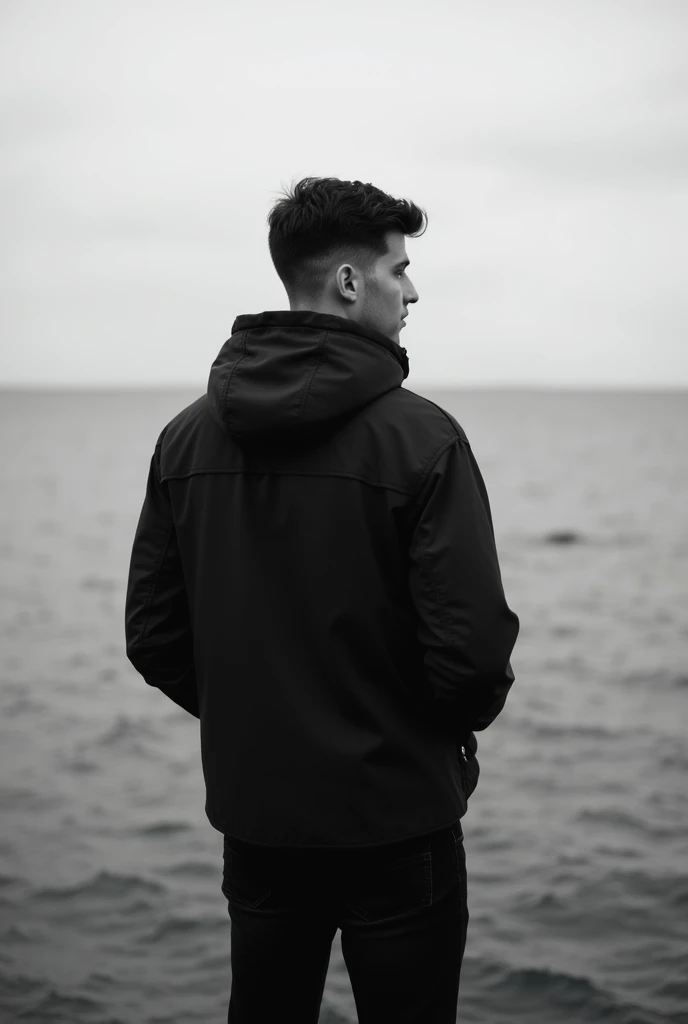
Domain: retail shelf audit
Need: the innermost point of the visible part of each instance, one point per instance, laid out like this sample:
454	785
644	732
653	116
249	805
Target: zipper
463	761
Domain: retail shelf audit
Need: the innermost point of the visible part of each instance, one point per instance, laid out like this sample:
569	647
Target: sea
576	837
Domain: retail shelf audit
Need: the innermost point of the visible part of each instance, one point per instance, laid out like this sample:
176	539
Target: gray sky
144	142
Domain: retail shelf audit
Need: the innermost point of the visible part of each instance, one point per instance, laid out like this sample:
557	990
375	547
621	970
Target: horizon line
435	385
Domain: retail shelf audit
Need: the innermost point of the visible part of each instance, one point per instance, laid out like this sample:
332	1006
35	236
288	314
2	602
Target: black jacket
314	576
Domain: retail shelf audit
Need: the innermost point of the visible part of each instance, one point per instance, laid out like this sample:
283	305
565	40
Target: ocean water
576	838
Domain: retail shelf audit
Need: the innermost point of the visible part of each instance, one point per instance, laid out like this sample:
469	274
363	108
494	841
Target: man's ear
348	282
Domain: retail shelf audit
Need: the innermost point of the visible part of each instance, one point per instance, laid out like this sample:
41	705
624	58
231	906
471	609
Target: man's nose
412	295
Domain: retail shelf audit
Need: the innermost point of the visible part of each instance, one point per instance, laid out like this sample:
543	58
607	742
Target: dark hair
322	218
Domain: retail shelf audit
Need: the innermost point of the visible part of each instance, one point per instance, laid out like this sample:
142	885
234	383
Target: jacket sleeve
464	623
157	623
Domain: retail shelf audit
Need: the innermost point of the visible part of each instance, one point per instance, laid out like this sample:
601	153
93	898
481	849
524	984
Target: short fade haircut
320	220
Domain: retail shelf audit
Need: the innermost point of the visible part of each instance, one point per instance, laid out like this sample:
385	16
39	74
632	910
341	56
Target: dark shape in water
563	537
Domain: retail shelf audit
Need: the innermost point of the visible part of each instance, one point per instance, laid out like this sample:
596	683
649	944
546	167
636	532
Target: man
314	576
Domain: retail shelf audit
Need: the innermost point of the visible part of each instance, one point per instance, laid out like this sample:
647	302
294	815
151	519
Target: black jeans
403	914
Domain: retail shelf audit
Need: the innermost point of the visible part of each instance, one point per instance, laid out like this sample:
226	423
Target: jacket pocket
245	879
470	770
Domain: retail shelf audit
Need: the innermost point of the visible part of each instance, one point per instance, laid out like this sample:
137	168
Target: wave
104	885
14	798
615	817
192	869
658	678
132	737
99	583
595	732
162	828
126	728
608	902
566	537
21	935
31	999
548	996
184	927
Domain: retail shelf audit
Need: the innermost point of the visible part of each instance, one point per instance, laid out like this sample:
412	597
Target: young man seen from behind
314	576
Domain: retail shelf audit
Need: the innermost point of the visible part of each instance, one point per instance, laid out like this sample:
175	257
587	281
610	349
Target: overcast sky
145	140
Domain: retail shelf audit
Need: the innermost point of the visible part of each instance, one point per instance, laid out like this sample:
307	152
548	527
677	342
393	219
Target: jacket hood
289	373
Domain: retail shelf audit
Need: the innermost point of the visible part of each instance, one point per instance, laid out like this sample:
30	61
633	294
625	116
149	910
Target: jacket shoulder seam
225	388
460	433
434	459
308	383
213	470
